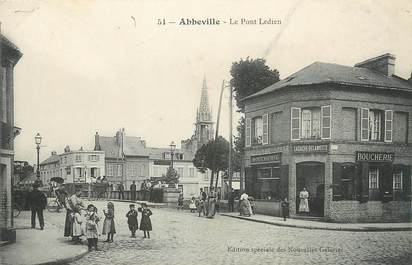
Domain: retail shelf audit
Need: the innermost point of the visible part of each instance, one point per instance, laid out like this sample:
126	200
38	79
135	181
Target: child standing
132	220
180	202
78	230
145	223
108	224
192	205
91	226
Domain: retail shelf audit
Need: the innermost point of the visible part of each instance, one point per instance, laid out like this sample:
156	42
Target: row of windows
111	170
92	158
316	123
161	170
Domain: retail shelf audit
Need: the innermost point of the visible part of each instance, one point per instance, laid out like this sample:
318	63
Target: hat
143	204
90	206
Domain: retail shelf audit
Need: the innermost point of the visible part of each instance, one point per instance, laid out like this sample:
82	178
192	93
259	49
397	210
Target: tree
171	176
250	76
213	156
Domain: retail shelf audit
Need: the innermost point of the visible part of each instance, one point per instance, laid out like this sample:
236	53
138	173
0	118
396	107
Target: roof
6	42
320	73
52	159
108	144
134	147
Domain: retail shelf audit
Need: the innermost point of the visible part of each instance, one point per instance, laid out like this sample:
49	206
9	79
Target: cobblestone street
180	237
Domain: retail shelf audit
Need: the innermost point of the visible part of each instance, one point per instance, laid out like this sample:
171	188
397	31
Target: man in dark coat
231	200
133	190
37	202
121	191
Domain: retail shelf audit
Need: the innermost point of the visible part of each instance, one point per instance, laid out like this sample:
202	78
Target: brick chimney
97	146
384	64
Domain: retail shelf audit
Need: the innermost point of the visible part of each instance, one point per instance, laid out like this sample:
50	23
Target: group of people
85	221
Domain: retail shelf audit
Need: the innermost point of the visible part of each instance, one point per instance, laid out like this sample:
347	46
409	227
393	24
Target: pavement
180	237
35	246
307	224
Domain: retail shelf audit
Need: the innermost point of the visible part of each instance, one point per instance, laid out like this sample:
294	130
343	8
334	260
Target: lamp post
37	139
172	152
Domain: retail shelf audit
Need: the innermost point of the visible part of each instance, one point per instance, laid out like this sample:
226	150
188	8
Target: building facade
128	159
80	166
50	168
343	133
9	56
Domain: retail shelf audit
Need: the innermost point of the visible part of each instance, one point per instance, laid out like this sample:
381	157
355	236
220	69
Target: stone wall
371	211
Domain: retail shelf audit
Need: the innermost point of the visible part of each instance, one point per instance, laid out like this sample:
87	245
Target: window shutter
388	125
364	182
364	124
337	183
248	133
386	182
295	116
326	121
284	182
265	121
406	183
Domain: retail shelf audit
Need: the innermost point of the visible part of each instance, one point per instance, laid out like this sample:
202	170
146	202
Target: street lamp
172	152
37	139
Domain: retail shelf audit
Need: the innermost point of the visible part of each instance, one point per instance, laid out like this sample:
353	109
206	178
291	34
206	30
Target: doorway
311	175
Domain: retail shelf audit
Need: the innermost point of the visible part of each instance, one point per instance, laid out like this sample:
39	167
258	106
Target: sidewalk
149	204
299	223
35	246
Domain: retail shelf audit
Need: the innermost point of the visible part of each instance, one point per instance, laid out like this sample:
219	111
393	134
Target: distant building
50	168
128	159
9	56
80	166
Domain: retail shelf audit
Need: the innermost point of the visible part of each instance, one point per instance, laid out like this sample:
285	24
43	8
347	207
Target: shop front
267	182
376	187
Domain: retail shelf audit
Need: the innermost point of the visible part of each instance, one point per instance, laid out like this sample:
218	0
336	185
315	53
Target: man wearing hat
37	202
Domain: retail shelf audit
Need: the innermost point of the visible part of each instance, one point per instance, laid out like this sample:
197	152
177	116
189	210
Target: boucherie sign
374	157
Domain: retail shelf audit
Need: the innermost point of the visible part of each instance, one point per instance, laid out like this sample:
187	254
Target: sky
98	66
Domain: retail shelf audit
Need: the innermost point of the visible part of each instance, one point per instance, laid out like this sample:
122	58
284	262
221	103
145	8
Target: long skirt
304	205
245	208
108	226
211	209
145	223
68	226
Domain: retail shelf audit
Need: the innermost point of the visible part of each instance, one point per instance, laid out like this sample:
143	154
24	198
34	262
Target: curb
360	229
65	260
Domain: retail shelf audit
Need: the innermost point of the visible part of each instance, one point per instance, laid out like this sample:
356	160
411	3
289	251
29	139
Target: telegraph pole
230	171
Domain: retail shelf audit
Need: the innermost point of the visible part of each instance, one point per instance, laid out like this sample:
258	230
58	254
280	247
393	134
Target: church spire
204	109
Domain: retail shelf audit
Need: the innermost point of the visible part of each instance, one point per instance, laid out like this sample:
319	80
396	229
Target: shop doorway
311	175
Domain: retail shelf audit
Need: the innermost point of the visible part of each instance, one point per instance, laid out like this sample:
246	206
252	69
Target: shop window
376	125
344	181
401	182
397	180
373	176
268	183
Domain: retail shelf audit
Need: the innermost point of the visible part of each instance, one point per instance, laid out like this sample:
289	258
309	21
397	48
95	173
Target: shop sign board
310	148
374	157
266	158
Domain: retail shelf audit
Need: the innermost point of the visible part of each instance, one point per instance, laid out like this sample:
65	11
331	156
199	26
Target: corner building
343	133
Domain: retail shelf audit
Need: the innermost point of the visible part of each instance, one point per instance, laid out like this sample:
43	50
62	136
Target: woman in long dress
72	203
245	208
304	202
211	203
